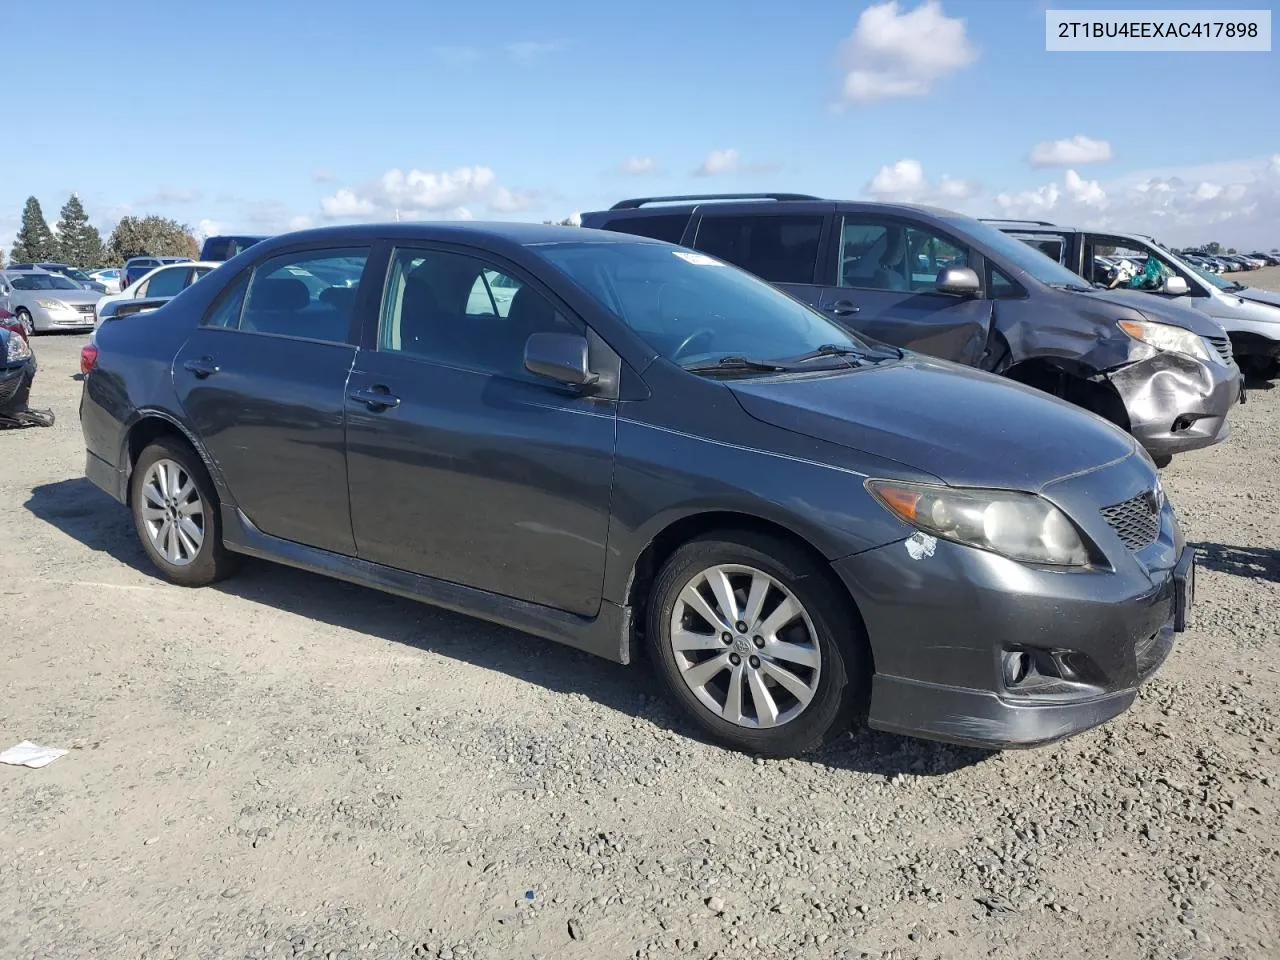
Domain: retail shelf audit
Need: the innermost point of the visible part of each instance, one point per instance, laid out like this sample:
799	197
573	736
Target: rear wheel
748	635
176	513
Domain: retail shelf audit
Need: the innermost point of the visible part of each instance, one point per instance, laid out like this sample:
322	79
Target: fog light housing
1057	674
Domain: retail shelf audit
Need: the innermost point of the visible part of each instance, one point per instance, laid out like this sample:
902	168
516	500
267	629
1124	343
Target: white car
109	277
165	281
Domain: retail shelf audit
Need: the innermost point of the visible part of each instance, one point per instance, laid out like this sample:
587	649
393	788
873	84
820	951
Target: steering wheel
690	340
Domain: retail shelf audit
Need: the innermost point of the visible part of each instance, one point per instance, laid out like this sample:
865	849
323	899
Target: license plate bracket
1184	589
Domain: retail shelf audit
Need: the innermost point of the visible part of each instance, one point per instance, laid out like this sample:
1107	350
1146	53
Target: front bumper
946	625
13	379
45	320
1176	403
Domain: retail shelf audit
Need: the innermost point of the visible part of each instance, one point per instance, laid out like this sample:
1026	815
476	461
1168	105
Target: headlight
1021	526
18	349
51	304
1165	336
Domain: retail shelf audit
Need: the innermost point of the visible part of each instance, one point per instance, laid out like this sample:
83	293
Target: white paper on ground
28	754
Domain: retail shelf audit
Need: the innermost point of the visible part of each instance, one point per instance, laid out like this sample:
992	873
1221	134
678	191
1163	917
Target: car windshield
692	308
1199	271
1019	253
74	274
43	281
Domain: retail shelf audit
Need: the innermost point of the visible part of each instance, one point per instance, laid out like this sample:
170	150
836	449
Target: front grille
1136	521
85	308
1223	346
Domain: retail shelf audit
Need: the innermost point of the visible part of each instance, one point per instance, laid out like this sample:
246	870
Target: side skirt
605	635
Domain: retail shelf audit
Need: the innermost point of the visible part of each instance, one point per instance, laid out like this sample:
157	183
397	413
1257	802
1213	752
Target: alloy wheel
27	323
745	646
172	512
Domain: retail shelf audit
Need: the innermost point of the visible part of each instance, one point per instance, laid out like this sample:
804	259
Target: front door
463	465
885	288
263	383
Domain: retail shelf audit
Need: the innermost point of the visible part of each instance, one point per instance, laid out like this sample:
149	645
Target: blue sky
266	116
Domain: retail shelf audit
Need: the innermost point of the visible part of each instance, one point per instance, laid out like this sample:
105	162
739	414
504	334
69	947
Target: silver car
49	301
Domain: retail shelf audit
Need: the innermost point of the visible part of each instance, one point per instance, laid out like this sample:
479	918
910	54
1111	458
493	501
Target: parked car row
630	445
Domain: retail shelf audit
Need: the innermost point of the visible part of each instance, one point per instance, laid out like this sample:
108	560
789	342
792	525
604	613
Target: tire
821	646
1259	368
179	555
24	318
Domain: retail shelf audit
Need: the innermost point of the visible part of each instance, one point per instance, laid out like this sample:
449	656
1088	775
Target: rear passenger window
780	249
463	312
309	295
667	226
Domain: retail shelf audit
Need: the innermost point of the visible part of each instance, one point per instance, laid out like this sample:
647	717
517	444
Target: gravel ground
286	766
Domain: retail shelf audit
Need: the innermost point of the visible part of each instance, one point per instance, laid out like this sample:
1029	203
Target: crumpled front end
1177	403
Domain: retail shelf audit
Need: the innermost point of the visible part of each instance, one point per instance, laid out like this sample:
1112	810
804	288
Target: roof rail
1037	223
638	202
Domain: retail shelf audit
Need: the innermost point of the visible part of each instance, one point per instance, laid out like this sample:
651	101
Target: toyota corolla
634	448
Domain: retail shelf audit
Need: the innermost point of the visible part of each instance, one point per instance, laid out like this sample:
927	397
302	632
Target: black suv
953	287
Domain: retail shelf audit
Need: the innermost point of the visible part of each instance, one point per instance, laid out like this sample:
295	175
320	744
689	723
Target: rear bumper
107	477
1176	403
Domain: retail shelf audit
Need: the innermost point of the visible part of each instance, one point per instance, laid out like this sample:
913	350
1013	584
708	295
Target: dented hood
965	427
1161	310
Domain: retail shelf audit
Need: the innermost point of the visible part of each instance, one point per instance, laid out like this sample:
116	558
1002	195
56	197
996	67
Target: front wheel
176	513
24	318
748	634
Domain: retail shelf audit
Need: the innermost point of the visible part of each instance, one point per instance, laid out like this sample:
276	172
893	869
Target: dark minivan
625	445
224	248
956	288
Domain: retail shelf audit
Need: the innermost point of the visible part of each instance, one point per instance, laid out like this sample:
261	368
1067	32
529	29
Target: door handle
843	308
204	367
376	399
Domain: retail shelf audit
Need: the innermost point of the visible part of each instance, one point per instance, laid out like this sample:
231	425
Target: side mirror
957	281
1176	287
561	357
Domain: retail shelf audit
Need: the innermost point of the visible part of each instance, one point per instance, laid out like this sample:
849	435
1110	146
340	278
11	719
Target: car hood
963	426
1256	295
78	295
1162	310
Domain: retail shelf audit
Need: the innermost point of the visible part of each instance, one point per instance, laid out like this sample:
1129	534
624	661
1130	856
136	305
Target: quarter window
309	295
667	226
461	311
166	283
780	249
226	309
888	255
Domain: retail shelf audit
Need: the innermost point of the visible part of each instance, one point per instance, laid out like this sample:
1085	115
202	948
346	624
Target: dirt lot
285	766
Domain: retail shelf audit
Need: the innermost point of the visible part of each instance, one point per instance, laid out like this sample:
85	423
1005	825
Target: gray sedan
49	301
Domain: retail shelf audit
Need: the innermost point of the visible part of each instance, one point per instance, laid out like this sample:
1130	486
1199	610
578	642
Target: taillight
11	323
88	357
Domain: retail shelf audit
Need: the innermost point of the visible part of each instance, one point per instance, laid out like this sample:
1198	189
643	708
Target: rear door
781	247
263	382
885	287
464	466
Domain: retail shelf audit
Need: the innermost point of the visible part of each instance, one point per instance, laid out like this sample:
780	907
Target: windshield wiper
829	350
736	365
1074	287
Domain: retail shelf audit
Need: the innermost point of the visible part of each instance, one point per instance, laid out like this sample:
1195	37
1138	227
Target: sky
262	117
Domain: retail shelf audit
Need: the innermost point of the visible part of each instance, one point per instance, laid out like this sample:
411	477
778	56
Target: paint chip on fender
921	545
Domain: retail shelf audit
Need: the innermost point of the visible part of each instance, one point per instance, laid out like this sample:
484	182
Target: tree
79	242
152	236
35	241
1212	248
1231	249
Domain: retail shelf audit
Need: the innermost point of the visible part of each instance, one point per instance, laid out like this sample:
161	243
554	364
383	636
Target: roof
461	231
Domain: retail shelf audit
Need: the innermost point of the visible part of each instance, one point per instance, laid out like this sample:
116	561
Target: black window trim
248	273
824	227
486	256
961	244
1197	286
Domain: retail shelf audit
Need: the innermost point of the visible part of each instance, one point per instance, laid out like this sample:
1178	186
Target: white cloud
424	194
209	228
323	175
1236	203
300	222
457	56
531	51
728	161
1075	152
905	181
638	166
892	53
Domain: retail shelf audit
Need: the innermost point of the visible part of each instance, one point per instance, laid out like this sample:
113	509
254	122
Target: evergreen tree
35	241
79	242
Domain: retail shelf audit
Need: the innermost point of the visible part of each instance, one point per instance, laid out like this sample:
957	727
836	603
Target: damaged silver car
954	287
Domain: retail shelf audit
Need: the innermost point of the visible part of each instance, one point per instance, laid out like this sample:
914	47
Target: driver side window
889	255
